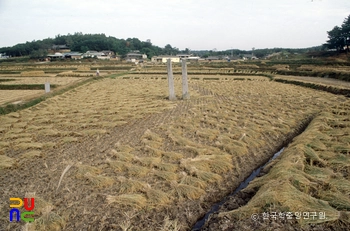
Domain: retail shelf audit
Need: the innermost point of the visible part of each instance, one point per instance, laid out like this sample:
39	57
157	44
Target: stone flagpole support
47	87
171	81
185	93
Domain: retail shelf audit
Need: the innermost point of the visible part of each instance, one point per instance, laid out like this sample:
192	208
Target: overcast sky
193	24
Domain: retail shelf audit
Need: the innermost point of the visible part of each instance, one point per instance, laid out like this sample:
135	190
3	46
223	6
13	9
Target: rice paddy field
116	154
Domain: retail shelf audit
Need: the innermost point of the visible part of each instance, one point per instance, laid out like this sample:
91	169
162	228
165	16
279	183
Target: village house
183	56
194	58
56	56
95	54
59	49
249	57
135	57
188	57
108	53
78	55
164	59
3	56
232	57
213	58
73	55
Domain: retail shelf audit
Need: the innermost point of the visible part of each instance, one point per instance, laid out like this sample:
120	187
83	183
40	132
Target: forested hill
83	42
80	42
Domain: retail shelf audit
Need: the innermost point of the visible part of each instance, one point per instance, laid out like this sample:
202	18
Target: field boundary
330	89
25	86
329	74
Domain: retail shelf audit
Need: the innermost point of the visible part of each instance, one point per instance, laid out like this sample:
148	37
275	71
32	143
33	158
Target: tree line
80	42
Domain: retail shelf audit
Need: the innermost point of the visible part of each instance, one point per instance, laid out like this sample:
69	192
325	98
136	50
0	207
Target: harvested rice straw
49	220
207	176
127	186
157	197
148	161
62	175
6	162
167	167
83	169
172	156
132	200
138	171
122	156
153	151
187	191
31	154
193	181
25	146
166	175
99	180
117	165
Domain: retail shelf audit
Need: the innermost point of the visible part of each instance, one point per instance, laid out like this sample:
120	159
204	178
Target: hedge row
6	72
25	86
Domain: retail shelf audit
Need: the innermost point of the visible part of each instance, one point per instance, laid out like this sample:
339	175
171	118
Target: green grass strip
113	76
25	86
7	80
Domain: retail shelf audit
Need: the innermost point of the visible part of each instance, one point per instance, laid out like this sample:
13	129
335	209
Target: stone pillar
185	93
47	87
171	81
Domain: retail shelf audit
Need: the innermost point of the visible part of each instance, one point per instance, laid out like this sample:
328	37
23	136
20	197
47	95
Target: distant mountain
259	53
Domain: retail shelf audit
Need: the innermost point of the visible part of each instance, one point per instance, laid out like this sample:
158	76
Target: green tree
37	54
346	31
84	49
335	39
168	49
339	37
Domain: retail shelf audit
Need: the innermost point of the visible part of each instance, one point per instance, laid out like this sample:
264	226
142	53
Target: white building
96	54
164	59
135	57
